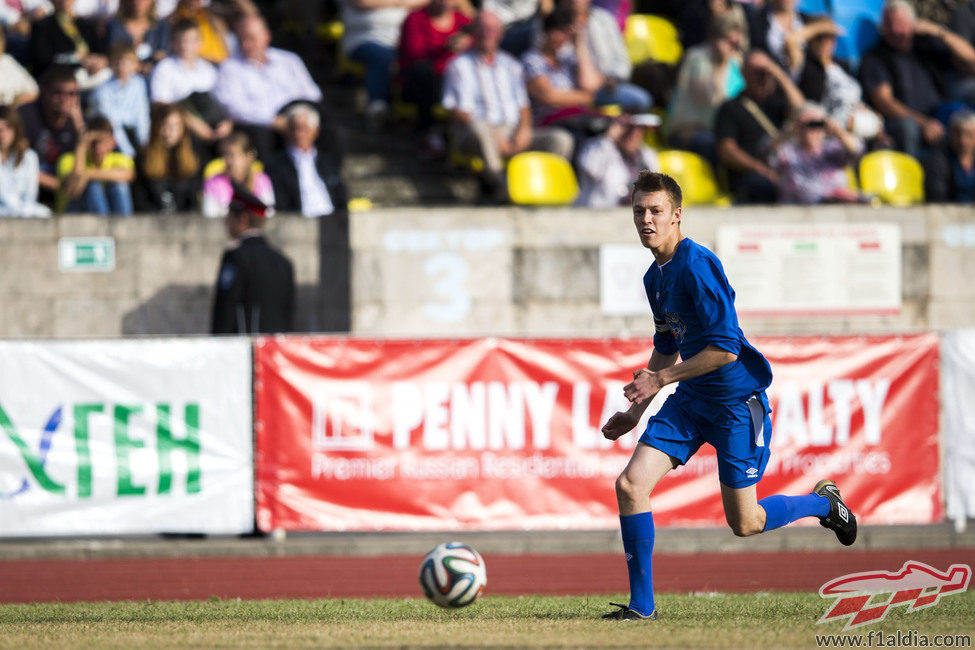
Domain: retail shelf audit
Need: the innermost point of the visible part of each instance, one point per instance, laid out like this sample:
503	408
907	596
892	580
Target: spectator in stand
184	72
168	167
136	25
53	124
372	31
431	37
562	78
605	43
94	177
255	84
824	81
65	39
696	17
240	160
124	100
520	20
306	178
608	163
747	127
188	79
484	90
904	76
709	75
16	17
18	170
215	37
812	158
770	26
17	87
950	172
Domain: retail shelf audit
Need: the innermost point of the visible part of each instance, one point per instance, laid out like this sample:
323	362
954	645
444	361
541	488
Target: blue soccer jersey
694	307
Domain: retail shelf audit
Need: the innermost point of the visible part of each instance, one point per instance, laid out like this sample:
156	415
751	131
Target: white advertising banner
125	437
813	269
958	387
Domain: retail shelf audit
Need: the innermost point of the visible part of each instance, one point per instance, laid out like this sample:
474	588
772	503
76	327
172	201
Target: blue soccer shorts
739	432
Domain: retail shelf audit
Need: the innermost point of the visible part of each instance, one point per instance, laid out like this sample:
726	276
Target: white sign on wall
813	269
621	270
125	437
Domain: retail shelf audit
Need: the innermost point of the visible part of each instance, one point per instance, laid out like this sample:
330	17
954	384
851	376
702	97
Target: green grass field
688	621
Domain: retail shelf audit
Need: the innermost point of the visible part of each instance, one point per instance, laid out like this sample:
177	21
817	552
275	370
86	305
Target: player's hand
646	383
619	424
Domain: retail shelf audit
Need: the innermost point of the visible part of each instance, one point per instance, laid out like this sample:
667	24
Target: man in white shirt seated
306	179
257	82
484	90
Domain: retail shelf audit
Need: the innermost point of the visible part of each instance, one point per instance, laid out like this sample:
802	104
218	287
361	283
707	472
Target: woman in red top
431	37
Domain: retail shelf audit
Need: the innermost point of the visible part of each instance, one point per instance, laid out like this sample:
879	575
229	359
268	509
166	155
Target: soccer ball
453	575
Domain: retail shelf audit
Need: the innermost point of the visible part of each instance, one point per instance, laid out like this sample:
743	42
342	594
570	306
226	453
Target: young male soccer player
720	400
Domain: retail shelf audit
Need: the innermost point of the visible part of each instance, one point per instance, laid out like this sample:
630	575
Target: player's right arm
622	422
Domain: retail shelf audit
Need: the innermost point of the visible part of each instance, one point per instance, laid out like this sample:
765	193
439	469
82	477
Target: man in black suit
256	284
306	178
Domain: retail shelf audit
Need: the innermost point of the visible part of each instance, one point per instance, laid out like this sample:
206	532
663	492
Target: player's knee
626	488
745	526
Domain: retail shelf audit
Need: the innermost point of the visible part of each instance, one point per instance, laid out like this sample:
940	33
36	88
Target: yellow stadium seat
654	38
540	178
894	177
219	166
695	177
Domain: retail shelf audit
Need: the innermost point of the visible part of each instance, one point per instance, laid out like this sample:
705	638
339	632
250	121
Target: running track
198	578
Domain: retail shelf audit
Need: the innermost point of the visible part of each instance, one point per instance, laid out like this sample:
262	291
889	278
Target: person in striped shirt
484	90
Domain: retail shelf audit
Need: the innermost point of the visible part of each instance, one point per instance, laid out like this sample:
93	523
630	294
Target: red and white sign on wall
356	434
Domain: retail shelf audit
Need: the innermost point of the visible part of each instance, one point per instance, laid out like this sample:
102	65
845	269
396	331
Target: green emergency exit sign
86	253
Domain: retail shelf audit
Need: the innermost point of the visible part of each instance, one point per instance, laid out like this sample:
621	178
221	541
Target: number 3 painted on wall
449	272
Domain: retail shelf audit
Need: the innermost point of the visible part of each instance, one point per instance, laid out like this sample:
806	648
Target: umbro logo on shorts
751	471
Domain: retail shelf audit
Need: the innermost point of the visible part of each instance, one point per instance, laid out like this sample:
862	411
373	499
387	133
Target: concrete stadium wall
440	272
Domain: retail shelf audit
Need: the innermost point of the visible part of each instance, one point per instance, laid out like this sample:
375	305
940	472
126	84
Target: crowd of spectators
136	105
115	106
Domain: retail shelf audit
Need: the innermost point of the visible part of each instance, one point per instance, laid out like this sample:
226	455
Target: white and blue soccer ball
453	575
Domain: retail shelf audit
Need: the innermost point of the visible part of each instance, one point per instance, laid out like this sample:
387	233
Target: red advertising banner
491	434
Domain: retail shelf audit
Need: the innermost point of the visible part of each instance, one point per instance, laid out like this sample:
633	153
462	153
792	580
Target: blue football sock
638	544
781	510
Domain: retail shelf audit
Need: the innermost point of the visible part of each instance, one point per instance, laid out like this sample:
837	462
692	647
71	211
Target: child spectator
184	72
239	157
136	25
18	170
811	161
124	100
95	178
169	169
16	85
188	79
